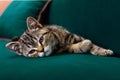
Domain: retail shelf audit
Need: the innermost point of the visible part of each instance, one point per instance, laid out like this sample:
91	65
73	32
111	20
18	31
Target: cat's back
58	29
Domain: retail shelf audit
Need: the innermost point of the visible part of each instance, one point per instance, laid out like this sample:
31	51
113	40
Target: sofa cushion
57	67
97	20
13	20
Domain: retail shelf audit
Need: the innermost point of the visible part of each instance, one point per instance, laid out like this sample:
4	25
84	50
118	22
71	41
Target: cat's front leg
87	45
80	47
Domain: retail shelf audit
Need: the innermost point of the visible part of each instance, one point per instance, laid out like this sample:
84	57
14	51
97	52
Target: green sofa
97	20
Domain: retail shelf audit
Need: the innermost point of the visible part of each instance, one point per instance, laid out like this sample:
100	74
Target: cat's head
36	41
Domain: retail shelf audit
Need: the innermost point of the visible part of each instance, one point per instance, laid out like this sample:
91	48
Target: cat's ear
33	24
14	46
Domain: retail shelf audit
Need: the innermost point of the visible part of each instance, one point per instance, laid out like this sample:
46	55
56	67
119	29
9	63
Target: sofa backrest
98	20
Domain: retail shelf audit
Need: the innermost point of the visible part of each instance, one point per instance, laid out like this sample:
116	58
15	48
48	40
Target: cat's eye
41	39
32	51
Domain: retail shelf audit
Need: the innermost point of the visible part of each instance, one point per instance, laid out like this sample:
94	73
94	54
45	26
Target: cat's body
40	41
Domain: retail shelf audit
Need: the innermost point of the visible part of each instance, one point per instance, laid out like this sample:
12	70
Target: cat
41	41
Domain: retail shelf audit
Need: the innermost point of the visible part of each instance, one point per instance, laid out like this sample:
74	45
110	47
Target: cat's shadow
116	55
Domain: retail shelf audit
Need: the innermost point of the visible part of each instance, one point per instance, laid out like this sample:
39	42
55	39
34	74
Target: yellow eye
41	39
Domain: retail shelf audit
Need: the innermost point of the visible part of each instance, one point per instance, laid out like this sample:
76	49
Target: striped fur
40	41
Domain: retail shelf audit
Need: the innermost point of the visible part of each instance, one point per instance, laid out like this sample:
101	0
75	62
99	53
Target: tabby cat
40	41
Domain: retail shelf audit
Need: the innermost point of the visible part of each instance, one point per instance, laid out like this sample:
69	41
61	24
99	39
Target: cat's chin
41	54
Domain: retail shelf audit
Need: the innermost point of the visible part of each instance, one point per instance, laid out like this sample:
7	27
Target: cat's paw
85	45
108	52
103	52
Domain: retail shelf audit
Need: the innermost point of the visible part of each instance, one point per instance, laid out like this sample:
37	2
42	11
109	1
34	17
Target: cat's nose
40	49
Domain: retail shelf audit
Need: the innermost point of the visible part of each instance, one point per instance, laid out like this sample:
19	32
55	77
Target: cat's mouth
38	54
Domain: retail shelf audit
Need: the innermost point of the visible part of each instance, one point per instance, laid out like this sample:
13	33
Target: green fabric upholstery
97	20
60	67
13	20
